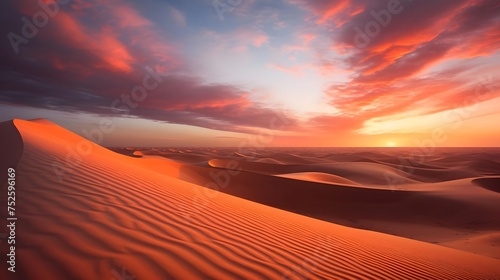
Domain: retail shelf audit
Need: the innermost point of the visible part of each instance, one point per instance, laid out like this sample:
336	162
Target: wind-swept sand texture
432	200
108	215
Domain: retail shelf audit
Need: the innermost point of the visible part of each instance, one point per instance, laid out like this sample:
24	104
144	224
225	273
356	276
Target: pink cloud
296	70
113	54
122	38
390	74
259	40
238	41
303	45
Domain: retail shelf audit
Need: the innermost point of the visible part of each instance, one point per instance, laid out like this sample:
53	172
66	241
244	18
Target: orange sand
107	214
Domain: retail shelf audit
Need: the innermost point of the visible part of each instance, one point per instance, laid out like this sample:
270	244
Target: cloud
259	39
303	45
238	41
94	52
296	70
334	123
177	16
421	58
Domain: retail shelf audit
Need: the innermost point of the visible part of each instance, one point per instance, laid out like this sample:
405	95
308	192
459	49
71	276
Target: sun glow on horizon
391	144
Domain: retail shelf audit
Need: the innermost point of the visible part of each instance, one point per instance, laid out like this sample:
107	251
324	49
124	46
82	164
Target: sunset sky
283	73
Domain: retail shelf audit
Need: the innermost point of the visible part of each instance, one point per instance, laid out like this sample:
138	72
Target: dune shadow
491	184
11	148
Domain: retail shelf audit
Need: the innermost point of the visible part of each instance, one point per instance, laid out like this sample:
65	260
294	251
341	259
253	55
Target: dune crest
319	177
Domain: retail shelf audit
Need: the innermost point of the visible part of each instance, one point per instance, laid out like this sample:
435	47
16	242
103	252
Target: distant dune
86	212
434	201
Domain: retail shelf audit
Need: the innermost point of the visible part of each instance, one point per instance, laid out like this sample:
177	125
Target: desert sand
88	212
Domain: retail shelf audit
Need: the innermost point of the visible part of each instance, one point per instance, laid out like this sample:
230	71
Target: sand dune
480	243
138	153
360	172
492	184
106	214
319	177
435	213
428	204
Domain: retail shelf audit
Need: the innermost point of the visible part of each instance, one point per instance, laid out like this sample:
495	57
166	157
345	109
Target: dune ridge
112	214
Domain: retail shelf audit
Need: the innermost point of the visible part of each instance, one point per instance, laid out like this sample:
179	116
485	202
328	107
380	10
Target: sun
390	144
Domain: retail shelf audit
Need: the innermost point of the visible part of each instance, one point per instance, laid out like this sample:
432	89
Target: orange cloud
113	54
238	41
332	10
126	16
306	40
294	70
259	39
414	67
240	101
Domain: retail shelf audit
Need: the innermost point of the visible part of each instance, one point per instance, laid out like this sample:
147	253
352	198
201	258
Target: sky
256	72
